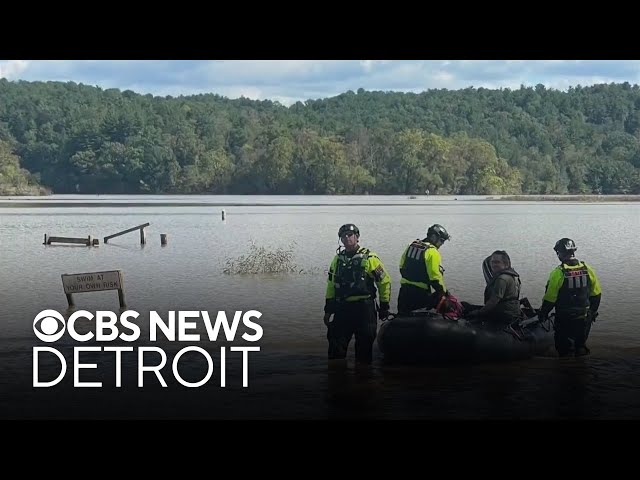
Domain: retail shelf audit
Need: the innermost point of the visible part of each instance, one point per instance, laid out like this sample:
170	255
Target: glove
327	319
546	307
384	310
329	305
594	315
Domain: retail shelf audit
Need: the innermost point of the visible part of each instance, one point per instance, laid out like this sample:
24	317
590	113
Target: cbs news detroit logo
50	327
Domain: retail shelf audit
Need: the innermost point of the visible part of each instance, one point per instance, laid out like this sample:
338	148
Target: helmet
438	231
565	245
348	227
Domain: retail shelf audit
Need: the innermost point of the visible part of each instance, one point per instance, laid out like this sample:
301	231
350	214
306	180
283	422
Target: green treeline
15	180
74	138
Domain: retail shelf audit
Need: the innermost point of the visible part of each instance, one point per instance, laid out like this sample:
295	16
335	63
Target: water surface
289	376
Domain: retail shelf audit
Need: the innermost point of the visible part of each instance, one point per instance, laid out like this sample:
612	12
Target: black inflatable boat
431	337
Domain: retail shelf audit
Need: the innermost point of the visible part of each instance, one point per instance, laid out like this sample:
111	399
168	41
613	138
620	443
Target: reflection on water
289	377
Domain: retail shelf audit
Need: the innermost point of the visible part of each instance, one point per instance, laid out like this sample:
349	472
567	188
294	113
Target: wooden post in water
123	304
143	237
163	239
70	300
45	239
223	214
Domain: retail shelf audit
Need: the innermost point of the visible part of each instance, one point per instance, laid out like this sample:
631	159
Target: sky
288	81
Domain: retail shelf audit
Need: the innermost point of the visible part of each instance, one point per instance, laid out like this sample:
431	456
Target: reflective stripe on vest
574	292
414	268
576	278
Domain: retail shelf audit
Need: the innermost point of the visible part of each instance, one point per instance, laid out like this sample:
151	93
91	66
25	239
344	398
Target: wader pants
412	298
571	333
353	318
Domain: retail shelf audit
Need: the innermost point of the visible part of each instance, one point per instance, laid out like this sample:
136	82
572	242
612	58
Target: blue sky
287	81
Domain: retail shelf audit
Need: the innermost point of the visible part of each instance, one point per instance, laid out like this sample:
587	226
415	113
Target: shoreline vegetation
43	202
27	191
569	198
79	139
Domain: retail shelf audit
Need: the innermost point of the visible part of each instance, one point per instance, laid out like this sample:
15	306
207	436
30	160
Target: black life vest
351	277
414	268
573	296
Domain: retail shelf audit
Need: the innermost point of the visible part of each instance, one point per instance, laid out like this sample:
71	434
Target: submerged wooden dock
89	241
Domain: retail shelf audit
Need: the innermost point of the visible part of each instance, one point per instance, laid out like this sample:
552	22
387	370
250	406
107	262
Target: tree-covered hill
76	138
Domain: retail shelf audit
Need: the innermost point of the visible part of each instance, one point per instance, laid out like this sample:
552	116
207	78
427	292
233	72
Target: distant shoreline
166	200
569	198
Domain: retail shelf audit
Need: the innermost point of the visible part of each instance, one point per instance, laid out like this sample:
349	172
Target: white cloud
11	69
264	71
368	65
288	81
443	77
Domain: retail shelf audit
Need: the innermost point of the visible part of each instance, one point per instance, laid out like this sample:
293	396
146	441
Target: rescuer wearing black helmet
350	297
422	283
574	290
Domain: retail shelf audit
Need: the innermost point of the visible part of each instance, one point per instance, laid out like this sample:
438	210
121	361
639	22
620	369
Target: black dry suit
351	292
574	290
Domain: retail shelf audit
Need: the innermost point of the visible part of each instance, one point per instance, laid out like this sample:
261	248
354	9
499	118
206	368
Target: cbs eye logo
51	326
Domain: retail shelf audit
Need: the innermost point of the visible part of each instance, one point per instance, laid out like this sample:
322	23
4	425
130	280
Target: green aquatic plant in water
262	259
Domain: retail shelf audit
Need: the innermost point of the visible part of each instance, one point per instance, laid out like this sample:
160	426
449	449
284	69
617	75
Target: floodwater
288	378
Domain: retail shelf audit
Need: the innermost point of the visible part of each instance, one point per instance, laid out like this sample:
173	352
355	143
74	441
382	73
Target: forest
65	137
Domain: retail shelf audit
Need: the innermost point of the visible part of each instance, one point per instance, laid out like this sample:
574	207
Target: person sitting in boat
501	295
487	272
421	271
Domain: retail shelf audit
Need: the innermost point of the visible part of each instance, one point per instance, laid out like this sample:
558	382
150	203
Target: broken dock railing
143	237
